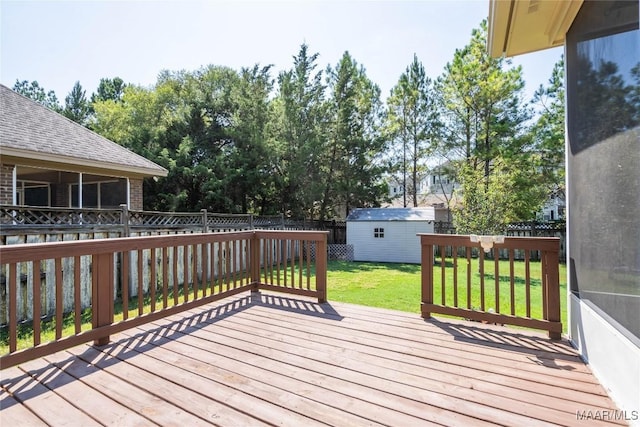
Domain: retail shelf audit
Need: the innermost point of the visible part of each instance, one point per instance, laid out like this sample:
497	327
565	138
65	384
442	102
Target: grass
397	286
392	286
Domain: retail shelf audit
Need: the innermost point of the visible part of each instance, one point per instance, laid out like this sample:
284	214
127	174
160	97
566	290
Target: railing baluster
37	301
175	275
152	279
280	259
77	297
469	267
481	264
454	250
308	256
140	254
126	255
512	282
13	307
527	283
205	269
194	270
227	260
185	269
292	243
165	276
496	273
300	263
443	265
59	298
235	265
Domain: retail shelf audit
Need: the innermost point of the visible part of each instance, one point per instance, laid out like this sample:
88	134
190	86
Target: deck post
427	276
102	289
552	282
321	269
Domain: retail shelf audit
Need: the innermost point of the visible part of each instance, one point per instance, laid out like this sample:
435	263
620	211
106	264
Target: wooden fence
30	220
186	270
465	294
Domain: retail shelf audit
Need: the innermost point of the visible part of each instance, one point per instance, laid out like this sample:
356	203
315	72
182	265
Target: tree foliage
76	105
413	124
316	143
485	119
548	132
34	91
353	167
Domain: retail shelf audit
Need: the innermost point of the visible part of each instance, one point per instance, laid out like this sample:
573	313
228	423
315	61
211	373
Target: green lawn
397	286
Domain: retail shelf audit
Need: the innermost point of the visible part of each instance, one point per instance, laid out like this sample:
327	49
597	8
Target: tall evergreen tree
300	142
414	125
76	106
352	167
485	125
548	131
252	184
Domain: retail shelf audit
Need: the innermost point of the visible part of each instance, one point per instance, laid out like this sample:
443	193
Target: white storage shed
388	234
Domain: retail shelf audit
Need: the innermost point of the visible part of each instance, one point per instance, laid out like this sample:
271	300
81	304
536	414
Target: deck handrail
202	267
548	249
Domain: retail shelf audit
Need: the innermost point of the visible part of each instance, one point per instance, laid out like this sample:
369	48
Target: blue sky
59	42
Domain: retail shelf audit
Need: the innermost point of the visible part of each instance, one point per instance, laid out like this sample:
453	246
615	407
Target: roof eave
11	155
522	26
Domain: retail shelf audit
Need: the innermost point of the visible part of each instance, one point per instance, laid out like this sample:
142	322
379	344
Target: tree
548	131
485	126
252	184
37	93
484	203
76	106
299	140
413	123
352	168
109	89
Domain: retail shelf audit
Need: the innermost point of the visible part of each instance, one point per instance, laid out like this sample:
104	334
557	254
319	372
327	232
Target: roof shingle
29	126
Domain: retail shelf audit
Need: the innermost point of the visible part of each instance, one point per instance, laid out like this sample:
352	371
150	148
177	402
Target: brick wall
135	193
6	184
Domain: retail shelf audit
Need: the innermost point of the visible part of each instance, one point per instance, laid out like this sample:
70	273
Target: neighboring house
435	190
49	160
602	46
555	207
432	183
388	234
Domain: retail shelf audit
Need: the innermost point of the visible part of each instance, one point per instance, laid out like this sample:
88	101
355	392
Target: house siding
399	244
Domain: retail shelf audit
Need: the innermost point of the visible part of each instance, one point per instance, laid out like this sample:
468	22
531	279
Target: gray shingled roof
27	125
392	214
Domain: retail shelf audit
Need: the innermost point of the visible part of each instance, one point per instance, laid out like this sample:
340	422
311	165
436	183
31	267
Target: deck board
266	359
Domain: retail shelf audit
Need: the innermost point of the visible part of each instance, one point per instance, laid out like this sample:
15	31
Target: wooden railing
466	288
174	273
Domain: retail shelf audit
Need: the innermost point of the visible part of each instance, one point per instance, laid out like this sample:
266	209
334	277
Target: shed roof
34	135
392	214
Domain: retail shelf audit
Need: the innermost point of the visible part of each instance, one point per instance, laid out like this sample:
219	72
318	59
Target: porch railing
174	273
473	284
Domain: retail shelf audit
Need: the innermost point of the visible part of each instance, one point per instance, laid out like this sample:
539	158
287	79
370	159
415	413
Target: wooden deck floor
267	359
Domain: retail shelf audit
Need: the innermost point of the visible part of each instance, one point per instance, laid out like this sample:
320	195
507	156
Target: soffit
523	26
